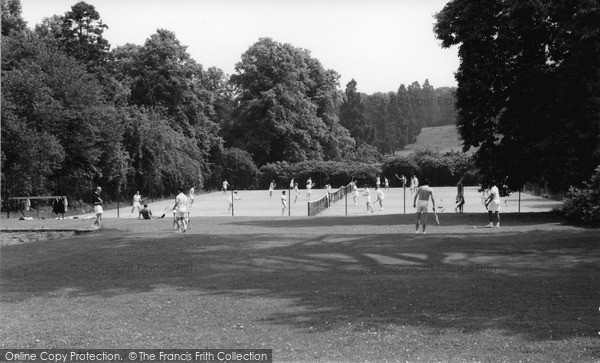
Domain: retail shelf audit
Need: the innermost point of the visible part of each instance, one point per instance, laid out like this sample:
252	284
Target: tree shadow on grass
540	285
447	219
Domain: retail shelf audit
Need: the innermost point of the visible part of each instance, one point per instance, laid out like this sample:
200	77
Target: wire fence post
346	199
404	188
232	203
519	200
289	198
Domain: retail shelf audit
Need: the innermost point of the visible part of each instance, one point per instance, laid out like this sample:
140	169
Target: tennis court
258	203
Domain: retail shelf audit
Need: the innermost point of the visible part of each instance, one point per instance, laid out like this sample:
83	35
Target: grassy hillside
441	138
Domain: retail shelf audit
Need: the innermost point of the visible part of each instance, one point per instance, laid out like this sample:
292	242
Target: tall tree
162	76
50	101
82	35
352	115
12	21
285	108
528	87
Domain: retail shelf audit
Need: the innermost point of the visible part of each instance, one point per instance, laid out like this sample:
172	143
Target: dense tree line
528	87
390	121
76	113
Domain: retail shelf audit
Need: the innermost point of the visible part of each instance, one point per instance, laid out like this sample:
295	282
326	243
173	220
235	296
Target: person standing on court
421	203
192	195
355	192
271	188
380	197
283	203
402	180
231	199
296	192
225	186
180	207
97	202
460	196
367	196
493	205
309	186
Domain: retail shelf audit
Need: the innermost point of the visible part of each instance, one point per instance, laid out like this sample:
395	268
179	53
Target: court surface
396	201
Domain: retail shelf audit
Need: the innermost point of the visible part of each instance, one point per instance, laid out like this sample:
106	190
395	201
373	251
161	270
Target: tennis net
330	197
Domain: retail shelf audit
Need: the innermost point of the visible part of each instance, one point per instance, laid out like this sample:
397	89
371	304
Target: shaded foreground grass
328	289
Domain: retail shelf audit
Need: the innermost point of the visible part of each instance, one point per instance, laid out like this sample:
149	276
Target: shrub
237	167
441	169
582	205
323	172
400	165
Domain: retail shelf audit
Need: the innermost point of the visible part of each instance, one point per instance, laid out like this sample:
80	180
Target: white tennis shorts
98	209
422	206
180	212
494	206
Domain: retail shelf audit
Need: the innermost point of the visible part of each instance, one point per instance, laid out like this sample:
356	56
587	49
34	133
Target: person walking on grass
492	204
180	208
421	203
136	202
97	202
367	196
283	203
386	184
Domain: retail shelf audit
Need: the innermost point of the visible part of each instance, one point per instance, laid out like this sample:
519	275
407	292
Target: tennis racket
165	211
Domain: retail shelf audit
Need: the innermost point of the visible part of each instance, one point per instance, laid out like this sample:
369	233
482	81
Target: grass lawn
440	138
358	288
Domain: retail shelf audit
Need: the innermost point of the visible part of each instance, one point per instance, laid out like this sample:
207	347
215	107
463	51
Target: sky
378	43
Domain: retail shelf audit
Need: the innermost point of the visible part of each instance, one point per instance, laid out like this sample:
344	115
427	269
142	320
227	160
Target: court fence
327	200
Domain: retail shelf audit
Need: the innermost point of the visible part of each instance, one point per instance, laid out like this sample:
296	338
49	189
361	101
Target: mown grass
320	289
440	138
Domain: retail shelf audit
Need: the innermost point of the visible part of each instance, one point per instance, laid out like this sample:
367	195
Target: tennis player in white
181	203
136	202
421	203
493	206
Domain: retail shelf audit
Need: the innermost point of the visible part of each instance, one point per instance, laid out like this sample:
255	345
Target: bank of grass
440	138
313	289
